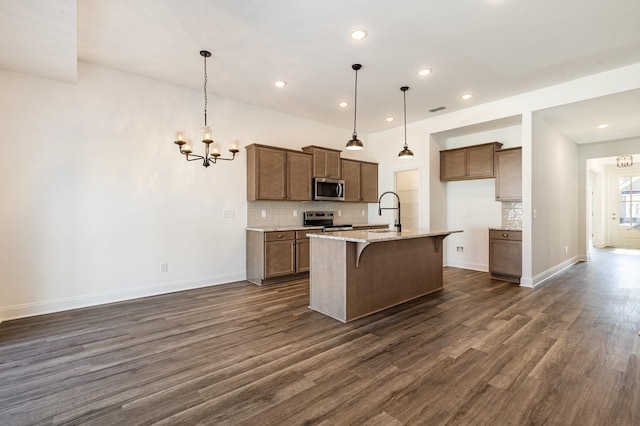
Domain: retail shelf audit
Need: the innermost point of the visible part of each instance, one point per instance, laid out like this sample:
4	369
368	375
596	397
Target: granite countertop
374	236
506	229
284	228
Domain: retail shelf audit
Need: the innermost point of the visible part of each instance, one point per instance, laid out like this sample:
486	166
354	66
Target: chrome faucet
397	225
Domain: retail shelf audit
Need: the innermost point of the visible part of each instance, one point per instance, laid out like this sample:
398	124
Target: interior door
624	199
407	186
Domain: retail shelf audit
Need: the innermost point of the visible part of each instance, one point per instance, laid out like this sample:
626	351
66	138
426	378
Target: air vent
440	108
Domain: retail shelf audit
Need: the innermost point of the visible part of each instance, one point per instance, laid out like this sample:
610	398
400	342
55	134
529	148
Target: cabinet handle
490	241
280	236
505	235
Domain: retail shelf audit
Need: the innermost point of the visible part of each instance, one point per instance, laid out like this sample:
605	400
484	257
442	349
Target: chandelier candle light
207	135
624	161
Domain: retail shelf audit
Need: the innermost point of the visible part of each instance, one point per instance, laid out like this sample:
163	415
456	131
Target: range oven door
325	189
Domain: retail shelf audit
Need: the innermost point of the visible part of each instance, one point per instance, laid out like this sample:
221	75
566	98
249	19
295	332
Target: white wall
554	199
96	195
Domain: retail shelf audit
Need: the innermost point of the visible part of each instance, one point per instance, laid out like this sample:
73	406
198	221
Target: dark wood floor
479	352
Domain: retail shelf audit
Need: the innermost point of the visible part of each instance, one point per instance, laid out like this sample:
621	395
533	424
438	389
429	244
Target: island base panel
388	273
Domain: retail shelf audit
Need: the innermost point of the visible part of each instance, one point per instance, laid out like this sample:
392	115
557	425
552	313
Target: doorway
624	207
407	186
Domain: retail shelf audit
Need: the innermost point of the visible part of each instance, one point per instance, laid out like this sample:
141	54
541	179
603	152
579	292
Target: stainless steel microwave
325	189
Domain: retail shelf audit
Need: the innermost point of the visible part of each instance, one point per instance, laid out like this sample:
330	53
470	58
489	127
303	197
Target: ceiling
490	48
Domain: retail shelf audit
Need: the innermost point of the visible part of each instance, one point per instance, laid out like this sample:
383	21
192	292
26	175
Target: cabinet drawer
303	234
279	236
505	235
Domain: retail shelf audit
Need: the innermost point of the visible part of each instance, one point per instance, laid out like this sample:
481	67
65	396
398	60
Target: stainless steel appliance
325	189
324	219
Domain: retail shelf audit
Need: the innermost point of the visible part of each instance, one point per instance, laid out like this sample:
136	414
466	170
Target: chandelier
207	136
624	160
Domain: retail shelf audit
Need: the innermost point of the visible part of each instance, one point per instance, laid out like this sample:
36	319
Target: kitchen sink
379	231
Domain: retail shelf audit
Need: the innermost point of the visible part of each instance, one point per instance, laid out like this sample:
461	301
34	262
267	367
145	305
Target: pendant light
207	135
355	144
406	152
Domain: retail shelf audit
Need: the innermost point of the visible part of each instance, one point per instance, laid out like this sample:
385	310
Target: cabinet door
279	258
369	182
505	257
509	175
302	255
480	161
453	164
299	165
319	161
351	176
332	164
271	167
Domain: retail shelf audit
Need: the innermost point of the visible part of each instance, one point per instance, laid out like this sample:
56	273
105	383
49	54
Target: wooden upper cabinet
278	174
368	182
509	174
326	162
471	162
299	167
351	177
360	181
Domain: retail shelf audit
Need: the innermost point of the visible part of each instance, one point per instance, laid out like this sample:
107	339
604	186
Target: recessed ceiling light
389	119
280	83
343	104
603	126
467	96
358	34
425	72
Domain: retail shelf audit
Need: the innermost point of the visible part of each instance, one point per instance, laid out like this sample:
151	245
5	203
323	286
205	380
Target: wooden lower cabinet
302	252
277	256
505	255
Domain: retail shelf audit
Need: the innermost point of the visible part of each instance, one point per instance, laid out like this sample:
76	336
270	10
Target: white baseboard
468	265
543	276
67	303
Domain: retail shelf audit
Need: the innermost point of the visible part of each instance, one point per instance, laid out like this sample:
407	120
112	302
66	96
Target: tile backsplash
281	213
512	215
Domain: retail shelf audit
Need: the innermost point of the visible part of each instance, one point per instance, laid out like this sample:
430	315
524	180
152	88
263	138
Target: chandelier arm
214	159
195	157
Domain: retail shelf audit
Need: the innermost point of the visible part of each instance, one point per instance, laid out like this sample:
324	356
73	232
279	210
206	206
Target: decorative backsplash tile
512	215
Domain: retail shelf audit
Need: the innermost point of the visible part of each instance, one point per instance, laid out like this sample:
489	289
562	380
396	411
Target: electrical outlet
295	213
164	267
566	250
460	249
264	213
535	214
339	212
362	212
228	214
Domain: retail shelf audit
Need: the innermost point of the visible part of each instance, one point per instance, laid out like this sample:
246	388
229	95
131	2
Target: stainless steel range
324	219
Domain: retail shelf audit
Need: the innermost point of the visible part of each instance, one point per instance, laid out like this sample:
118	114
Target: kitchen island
358	273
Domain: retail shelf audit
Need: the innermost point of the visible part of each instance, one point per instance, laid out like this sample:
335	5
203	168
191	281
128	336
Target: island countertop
379	235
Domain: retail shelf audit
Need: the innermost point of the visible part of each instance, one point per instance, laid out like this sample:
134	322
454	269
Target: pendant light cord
205	90
355	107
404	92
